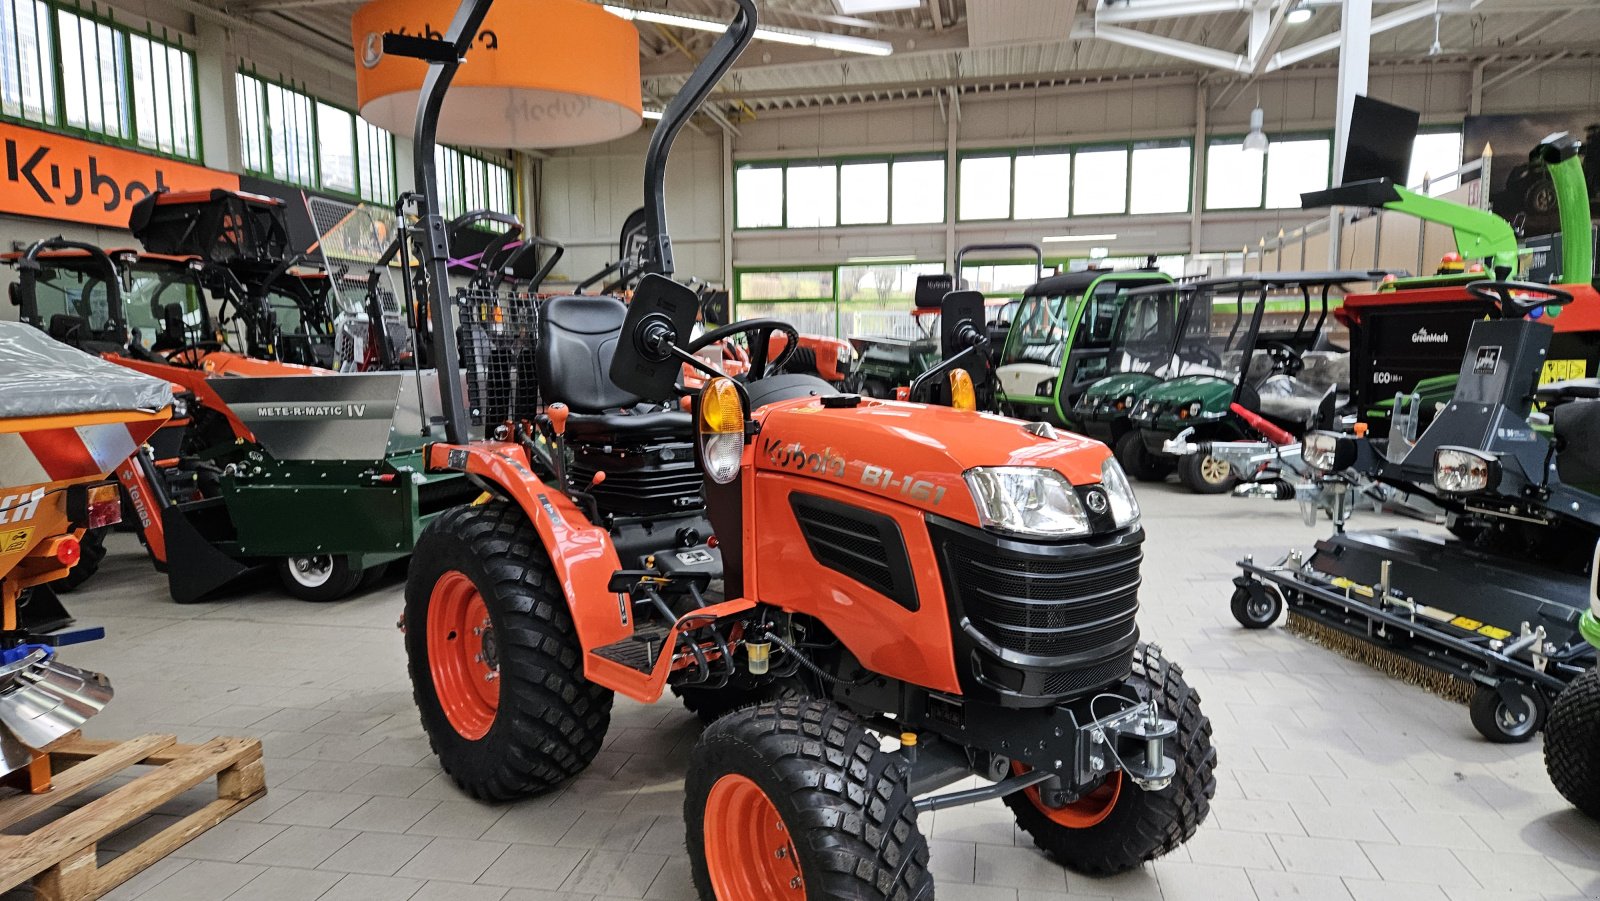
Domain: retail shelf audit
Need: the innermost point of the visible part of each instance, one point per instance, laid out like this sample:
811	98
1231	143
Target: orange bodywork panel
40	457
1582	315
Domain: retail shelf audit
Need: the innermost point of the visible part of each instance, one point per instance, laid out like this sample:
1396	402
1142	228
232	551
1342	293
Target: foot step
638	651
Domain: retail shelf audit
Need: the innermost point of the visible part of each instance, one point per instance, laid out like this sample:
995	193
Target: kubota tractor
922	594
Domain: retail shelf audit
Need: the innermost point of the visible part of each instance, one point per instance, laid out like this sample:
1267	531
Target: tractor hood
911	453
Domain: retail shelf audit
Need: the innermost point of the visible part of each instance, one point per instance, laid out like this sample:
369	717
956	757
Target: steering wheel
1203	354
1285	359
175	356
760	332
1512	307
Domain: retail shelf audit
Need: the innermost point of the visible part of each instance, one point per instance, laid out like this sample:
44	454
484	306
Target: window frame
264	141
52	81
1129	147
1238	138
837	162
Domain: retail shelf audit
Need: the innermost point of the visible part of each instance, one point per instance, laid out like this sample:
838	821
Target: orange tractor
68	419
870	600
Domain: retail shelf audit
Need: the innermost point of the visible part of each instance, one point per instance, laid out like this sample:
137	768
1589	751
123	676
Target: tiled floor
1334	782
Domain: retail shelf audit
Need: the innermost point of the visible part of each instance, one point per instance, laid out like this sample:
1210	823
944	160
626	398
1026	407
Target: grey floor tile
365	887
286	884
376	854
453	859
300	846
203	880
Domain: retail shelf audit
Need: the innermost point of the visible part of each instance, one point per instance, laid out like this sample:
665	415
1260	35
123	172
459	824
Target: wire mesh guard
496	339
354	240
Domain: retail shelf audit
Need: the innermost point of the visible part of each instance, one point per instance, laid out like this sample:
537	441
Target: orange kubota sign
56	177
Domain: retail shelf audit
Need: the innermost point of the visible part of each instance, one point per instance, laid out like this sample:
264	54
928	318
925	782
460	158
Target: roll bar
28	270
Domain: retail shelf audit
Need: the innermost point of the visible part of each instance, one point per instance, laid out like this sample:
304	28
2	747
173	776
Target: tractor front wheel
495	663
1118	826
318	577
1137	460
712	704
1204	474
794	800
1571	737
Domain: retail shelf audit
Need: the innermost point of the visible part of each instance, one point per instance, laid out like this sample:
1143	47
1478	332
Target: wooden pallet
59	856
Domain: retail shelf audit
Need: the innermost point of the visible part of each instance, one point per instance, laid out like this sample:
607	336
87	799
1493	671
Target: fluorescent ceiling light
896	258
842	42
1062	239
1300	15
857	7
652	114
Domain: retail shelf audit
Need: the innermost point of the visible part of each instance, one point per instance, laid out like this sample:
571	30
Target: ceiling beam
1386	22
1139	40
1520	71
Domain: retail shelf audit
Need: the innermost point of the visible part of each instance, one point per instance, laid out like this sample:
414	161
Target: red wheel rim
1089	810
749	853
462	655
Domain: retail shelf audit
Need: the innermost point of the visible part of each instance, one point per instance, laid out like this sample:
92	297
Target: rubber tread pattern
1145	824
1572	743
847	803
551	720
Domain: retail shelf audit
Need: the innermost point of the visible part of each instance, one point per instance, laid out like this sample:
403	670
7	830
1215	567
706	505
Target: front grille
1047	606
1076	681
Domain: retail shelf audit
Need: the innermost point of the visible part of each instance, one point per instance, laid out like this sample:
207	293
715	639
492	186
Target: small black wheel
712	704
1508	723
1256	609
794	799
1571	737
1205	474
1118	826
495	663
318	577
91	551
1137	461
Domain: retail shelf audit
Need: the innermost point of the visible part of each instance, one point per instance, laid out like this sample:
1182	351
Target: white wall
587	193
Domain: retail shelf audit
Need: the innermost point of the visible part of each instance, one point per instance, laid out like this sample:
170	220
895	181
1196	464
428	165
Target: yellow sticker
1348	585
1462	622
1495	632
1561	370
15	540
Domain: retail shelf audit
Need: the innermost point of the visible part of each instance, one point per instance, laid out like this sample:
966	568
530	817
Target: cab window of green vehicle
1102	310
1039	331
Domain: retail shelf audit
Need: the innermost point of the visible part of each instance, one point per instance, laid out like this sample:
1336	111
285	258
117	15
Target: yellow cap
908	739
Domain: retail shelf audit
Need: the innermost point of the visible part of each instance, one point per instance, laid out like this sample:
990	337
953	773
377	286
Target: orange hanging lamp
541	74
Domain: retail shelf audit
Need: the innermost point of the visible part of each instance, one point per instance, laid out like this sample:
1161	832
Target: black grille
1052	607
1076	681
863	545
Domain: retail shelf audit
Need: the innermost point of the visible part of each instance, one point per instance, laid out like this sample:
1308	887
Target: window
1159	178
864	193
1233	177
1000	279
985	187
1043	185
917	194
1102	183
1295	167
1434	155
813	193
468	183
760	197
65	68
290	136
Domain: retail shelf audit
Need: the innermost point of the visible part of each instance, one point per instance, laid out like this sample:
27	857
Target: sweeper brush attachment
1390	664
41	701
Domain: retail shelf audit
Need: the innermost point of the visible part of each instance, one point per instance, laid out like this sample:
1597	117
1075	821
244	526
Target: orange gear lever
558	413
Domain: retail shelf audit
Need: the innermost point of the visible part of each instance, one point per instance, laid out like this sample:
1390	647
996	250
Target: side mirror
14	291
660	317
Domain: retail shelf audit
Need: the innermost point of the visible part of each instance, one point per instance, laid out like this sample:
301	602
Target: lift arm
1479	234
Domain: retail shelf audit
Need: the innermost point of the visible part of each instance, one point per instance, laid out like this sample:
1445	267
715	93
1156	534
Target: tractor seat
577	338
67	328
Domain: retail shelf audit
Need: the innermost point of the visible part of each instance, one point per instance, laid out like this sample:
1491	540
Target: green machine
1064	336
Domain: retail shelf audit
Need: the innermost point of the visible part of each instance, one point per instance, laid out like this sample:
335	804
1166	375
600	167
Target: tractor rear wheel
1137	460
1571	736
795	800
712	704
1205	474
318	577
495	663
1118	826
91	551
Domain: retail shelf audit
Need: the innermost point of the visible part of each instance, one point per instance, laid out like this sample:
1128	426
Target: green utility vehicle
1061	339
1274	362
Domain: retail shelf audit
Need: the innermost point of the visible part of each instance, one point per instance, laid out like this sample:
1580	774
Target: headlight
721	430
1026	500
1461	470
1328	451
1124	506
